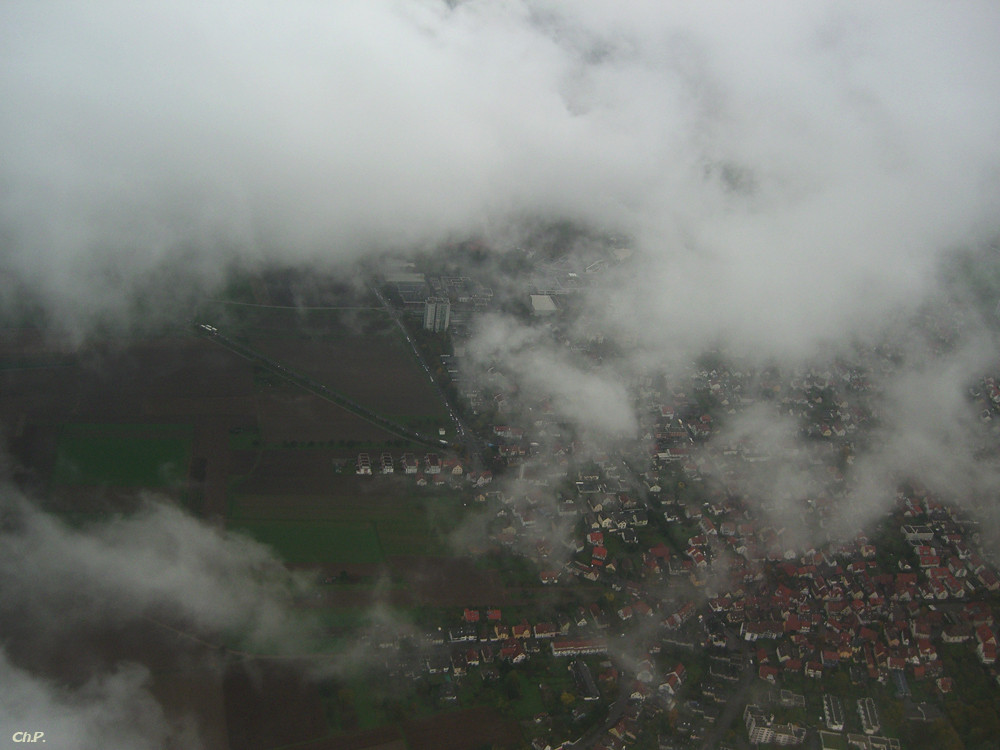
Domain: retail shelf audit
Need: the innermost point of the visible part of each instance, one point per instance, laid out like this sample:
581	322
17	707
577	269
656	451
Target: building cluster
763	730
443	301
482	639
737	575
437	314
842	609
431	467
866	608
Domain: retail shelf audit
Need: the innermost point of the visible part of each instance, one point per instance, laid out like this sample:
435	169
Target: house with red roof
513	651
546	630
521	630
769	673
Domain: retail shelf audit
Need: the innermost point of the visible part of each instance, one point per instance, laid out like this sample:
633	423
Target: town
677	608
709	554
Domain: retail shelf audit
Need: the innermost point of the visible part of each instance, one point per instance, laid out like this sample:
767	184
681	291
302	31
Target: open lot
162	414
451	582
294	288
383	738
180	379
359	352
183	380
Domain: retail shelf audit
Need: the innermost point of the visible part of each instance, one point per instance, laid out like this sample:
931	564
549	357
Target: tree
892	713
512	686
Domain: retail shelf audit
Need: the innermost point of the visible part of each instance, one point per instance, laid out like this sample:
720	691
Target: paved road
615	714
473	445
734	706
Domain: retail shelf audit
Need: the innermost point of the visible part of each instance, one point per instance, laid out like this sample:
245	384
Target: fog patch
156	562
113	709
531	361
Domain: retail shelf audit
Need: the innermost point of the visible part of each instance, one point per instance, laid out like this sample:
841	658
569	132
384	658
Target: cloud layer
177	568
792	179
784	174
88	612
110	710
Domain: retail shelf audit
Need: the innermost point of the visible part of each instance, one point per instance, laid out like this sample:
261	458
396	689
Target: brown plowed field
383	738
463	730
302	417
380	373
212	445
449	582
271	704
180	379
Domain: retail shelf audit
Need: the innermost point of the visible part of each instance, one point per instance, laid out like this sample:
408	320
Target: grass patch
343	617
403	537
369	713
416	526
247	439
413	537
833	740
123	455
317	541
529	703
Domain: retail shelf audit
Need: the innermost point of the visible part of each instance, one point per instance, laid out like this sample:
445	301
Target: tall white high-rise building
437	313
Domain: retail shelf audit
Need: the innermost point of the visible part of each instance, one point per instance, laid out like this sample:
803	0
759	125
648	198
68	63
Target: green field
317	541
123	455
312	528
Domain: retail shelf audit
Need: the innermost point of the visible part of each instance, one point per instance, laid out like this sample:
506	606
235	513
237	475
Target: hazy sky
785	169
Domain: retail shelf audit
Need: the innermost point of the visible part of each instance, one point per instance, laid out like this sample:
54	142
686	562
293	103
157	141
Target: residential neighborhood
680	607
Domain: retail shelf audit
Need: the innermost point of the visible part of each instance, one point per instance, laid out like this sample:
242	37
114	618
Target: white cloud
143	135
110	710
157	562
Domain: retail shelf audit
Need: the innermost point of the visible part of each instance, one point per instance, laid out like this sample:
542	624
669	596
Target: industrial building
542	304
